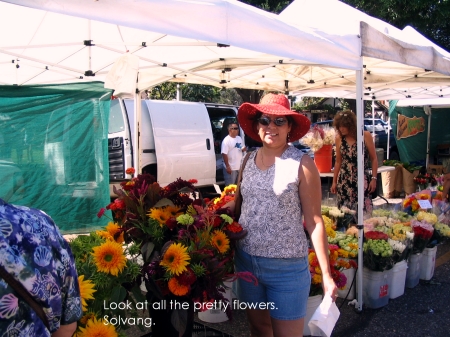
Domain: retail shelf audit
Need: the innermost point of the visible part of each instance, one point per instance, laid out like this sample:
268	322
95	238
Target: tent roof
397	63
172	39
432	103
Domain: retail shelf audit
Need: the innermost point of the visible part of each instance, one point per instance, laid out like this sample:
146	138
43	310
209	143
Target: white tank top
271	211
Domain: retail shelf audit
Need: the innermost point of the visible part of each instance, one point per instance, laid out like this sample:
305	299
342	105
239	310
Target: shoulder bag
238	195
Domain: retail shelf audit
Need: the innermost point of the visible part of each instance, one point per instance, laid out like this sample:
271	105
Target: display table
380	170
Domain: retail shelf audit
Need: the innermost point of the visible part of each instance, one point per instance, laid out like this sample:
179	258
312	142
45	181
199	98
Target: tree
189	92
429	17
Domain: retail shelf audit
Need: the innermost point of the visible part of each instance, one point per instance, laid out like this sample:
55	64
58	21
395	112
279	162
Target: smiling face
273	129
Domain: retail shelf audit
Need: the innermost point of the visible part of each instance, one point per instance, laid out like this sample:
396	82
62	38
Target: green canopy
54	151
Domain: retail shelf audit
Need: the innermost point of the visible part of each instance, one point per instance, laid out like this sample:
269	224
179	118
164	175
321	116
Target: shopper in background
232	149
33	252
345	179
280	187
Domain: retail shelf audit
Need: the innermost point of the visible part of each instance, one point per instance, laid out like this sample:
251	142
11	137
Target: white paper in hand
324	318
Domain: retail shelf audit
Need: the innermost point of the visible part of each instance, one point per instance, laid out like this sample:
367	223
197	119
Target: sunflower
96	328
177	288
176	258
159	214
104	235
86	291
113	228
174	211
87	317
220	241
109	258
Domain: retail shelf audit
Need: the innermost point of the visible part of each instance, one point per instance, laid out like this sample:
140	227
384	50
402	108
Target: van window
116	123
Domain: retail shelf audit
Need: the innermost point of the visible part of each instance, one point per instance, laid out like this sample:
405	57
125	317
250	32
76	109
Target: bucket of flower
184	246
377	273
320	140
423	231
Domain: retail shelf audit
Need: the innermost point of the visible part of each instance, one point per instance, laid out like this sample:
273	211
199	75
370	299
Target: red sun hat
276	105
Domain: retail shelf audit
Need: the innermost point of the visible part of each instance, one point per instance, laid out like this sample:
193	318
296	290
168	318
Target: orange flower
177	288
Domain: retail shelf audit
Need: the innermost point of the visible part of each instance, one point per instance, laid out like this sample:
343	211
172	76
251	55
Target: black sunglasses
279	121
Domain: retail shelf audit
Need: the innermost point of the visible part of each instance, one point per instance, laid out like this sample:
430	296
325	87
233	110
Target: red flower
130	170
375	235
234	227
101	212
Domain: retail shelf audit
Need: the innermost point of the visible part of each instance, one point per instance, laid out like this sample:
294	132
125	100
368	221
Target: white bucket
312	305
342	293
413	272
376	286
217	315
427	263
398	279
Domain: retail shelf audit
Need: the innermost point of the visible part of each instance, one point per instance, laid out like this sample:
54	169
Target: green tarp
414	149
54	151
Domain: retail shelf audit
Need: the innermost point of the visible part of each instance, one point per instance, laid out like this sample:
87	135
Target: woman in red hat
280	187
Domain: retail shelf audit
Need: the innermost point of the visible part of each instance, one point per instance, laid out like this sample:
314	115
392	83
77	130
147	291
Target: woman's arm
65	330
310	192
337	164
370	146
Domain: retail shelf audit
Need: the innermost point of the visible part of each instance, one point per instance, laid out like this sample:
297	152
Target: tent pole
427	110
137	122
360	166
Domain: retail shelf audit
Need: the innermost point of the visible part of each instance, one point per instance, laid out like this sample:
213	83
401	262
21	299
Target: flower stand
413	272
323	158
349	290
398	279
376	287
313	304
427	263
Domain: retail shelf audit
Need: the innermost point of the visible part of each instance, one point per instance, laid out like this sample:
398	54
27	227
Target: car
378	123
380	139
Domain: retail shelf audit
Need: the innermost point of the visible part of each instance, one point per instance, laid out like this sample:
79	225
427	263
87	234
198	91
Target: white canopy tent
266	52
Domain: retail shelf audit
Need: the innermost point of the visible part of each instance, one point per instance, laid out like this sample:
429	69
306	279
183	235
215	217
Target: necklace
262	159
262	156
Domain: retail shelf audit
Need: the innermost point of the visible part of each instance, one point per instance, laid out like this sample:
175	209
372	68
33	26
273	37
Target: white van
177	140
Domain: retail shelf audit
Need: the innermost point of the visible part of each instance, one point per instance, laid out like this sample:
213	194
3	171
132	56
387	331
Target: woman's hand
330	287
333	188
372	185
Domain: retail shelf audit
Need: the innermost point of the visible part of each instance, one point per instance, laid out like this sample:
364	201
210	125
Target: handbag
20	289
238	195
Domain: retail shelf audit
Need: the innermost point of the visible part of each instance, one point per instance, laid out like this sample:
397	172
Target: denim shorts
283	285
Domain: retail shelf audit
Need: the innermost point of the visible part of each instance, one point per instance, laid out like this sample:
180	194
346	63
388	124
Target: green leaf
147	249
118	294
137	293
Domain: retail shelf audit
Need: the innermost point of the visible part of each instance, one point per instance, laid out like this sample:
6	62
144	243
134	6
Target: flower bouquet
336	266
423	180
423	231
107	271
318	136
377	251
401	240
186	245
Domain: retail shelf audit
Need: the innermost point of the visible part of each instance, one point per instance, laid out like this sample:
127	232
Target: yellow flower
98	328
220	241
88	316
86	291
160	215
176	258
174	211
177	288
105	235
109	258
113	228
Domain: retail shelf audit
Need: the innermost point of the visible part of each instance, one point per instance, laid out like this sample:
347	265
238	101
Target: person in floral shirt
34	252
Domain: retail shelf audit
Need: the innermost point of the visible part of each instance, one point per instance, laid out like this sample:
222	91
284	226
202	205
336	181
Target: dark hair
346	118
